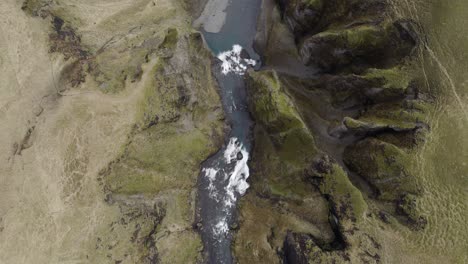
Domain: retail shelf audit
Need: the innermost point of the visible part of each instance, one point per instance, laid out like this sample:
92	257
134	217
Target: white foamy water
226	186
232	149
232	61
238	177
221	228
211	173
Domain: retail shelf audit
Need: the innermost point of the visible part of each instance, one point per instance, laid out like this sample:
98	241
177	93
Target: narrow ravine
229	29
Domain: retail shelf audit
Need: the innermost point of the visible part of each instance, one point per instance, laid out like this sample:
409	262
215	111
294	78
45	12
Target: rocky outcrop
279	196
383	165
347	206
401	116
357	47
364	115
371	87
368	60
337	34
275	112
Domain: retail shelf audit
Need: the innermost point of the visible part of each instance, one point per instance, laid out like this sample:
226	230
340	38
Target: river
229	29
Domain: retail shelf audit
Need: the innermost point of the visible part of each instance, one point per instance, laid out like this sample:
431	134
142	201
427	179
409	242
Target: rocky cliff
340	111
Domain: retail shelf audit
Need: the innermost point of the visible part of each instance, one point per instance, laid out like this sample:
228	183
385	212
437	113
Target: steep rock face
302	15
337	34
280	197
364	114
347	203
358	46
372	86
383	165
274	110
306	17
401	116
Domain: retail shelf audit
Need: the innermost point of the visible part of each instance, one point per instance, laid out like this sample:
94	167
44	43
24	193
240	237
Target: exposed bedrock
398	117
281	199
371	87
340	111
306	17
334	35
358	47
383	165
306	202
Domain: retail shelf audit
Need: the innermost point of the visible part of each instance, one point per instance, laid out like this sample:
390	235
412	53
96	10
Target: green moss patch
158	159
383	165
346	201
260	243
170	40
396	78
276	112
403	116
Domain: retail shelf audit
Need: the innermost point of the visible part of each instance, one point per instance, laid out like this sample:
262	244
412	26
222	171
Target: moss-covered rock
344	34
280	197
390	84
336	48
406	140
368	79
335	34
302	248
147	166
301	15
283	144
371	87
384	166
334	183
312	16
261	243
396	78
347	205
174	126
401	116
121	61
408	206
362	45
275	111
